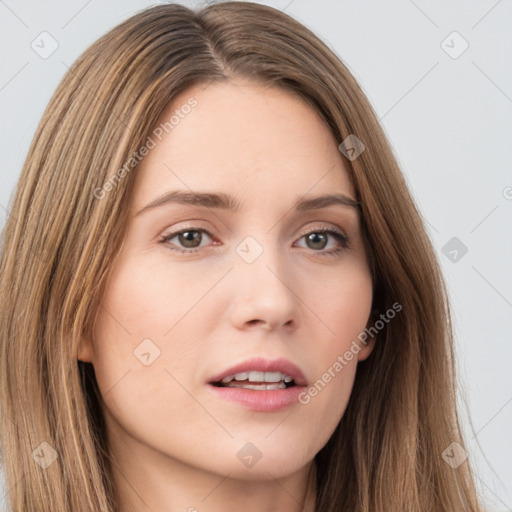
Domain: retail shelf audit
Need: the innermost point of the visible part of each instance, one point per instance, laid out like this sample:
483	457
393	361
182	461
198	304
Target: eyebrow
223	201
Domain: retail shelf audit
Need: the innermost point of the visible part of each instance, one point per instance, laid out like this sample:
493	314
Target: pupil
188	237
313	237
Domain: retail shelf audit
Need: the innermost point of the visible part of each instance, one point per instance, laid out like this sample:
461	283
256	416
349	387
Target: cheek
147	300
135	323
327	396
344	303
146	339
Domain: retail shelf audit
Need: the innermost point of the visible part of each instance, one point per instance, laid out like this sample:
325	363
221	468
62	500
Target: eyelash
342	239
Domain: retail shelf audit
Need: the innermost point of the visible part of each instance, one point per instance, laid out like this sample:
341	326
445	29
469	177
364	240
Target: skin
174	441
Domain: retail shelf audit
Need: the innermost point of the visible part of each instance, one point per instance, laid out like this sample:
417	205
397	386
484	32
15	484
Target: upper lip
264	365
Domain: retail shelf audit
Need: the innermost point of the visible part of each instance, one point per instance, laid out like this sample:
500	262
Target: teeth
258	387
255	376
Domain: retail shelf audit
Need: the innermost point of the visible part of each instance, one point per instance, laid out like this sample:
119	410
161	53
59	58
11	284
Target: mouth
260	385
256	380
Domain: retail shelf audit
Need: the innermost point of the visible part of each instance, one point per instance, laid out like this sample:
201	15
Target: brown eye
190	239
317	240
186	240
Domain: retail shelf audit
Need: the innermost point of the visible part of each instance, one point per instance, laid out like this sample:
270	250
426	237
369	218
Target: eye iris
190	237
313	237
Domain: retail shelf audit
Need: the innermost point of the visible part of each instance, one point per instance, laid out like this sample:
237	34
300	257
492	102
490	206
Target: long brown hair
64	231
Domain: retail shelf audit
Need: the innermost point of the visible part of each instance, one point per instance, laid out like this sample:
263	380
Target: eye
189	238
319	238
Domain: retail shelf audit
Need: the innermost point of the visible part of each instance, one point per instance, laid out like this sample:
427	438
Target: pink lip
262	401
260	364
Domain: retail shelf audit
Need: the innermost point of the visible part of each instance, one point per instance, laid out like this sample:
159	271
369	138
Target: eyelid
303	232
325	227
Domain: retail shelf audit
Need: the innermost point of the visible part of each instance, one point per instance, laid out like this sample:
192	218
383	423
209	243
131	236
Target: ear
367	338
367	349
85	352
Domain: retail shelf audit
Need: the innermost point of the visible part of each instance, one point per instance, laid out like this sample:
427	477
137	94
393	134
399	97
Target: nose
265	293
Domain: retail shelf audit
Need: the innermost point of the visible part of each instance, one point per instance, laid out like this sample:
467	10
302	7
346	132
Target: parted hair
60	240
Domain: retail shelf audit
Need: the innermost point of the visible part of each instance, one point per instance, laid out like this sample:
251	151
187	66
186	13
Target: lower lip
261	401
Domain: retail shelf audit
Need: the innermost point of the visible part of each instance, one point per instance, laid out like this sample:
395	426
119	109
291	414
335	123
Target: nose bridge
262	275
258	253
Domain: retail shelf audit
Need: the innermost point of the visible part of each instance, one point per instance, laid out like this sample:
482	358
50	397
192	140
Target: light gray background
448	119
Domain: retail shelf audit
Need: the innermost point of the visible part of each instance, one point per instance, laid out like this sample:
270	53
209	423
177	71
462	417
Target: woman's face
260	284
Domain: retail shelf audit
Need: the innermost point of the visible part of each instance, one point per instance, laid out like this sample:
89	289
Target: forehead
248	139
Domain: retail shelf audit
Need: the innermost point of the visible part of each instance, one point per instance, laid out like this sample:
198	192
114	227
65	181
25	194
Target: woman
209	237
